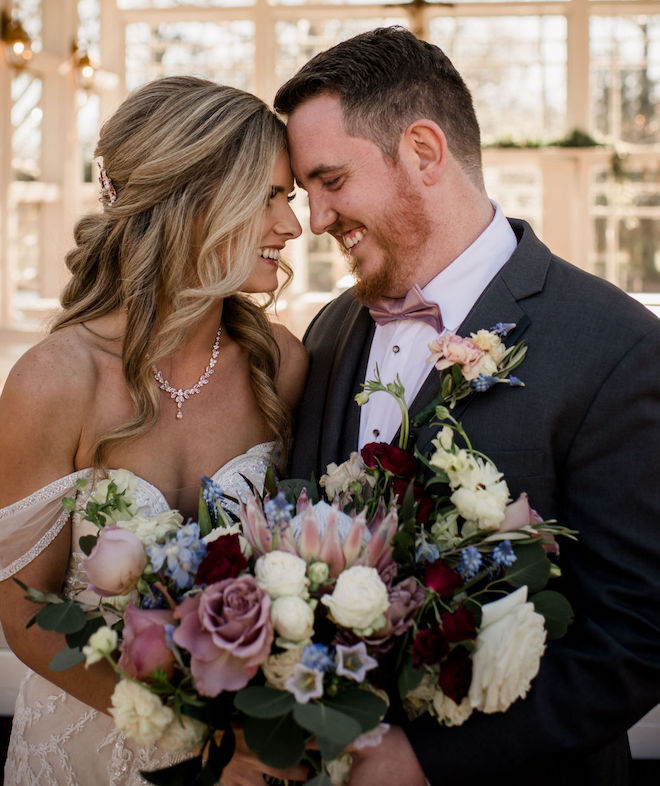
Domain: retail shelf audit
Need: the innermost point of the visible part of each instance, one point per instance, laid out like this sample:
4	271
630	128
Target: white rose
448	712
153	529
507	652
183	738
101	643
279	573
359	599
292	618
338	478
138	713
124	480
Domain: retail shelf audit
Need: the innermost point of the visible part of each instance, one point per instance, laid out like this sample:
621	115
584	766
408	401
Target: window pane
515	68
625	68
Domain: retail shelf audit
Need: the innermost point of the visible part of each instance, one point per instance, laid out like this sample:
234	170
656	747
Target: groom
384	139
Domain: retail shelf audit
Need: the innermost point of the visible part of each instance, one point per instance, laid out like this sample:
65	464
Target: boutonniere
473	364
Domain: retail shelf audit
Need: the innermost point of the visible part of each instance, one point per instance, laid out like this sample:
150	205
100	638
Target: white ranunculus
507	652
153	529
138	713
448	712
292	618
482	496
183	738
279	573
124	480
338	479
359	599
101	643
318	572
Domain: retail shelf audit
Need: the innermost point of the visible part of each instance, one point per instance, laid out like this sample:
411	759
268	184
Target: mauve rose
456	674
430	646
143	646
228	632
116	562
459	625
399	462
441	578
223	560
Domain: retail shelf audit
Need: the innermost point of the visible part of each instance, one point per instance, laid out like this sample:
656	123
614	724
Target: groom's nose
321	214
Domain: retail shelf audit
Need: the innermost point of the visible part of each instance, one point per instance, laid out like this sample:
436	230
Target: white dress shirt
401	347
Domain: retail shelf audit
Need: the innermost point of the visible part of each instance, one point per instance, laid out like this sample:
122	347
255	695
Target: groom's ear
424	146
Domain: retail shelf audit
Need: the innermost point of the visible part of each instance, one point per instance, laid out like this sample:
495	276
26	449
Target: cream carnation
448	712
507	652
279	573
292	618
278	668
359	599
183	736
482	495
139	713
338	479
489	342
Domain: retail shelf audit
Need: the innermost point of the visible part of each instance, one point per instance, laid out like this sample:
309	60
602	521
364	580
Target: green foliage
66	659
532	567
362	705
79	638
557	611
65	617
409	677
203	516
334	730
261	701
87	543
277	742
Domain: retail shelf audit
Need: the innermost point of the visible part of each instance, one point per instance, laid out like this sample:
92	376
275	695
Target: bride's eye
273	193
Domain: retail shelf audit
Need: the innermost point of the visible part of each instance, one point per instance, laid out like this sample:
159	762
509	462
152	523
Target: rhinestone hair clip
107	190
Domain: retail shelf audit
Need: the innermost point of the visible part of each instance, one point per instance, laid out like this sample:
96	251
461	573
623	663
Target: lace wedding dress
57	740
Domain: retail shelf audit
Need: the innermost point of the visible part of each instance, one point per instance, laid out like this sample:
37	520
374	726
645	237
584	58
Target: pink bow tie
412	306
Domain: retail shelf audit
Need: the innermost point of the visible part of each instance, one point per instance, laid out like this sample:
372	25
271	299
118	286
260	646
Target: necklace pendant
179	414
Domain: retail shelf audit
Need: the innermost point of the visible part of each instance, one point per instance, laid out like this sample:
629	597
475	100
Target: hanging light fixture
17	43
83	68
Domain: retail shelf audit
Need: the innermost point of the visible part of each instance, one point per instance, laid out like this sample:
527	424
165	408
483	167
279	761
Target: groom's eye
332	184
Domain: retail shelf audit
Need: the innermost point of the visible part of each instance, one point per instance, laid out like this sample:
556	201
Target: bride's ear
424	145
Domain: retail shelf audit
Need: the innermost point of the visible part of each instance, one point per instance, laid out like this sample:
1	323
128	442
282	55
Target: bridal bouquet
407	580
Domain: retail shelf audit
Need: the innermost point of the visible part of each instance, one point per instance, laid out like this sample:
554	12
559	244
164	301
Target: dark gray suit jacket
582	438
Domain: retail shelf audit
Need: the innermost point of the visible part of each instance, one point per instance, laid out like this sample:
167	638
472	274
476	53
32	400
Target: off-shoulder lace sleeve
31	524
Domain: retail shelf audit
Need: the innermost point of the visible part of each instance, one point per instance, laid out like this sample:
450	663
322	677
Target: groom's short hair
386	79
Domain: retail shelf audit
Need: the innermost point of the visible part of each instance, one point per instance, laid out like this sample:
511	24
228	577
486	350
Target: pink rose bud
143	647
116	562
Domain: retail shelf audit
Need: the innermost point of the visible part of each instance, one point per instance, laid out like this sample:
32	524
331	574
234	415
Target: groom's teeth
270	253
355	238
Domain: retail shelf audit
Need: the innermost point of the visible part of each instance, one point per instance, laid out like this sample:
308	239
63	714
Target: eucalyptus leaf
361	705
409	677
81	637
261	701
328	724
62	617
66	659
532	567
557	611
277	742
87	543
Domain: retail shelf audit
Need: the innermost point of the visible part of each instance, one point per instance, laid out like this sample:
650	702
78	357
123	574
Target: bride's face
279	225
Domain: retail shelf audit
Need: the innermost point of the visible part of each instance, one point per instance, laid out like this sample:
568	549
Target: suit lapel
522	276
341	415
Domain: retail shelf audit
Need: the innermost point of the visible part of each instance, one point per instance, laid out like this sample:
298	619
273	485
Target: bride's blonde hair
191	163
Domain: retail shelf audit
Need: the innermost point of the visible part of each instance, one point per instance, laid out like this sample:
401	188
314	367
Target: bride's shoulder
293	364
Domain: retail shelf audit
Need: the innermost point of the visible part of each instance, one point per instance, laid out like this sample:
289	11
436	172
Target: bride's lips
270	254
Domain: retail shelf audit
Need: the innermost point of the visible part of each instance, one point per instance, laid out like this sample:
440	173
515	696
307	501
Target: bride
158	363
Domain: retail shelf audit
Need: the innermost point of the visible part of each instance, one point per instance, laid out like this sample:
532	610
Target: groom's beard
401	234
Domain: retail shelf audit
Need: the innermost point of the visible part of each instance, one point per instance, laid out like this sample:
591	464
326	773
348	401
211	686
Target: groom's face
363	199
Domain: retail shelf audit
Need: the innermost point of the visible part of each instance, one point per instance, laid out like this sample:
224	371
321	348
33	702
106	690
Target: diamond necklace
179	394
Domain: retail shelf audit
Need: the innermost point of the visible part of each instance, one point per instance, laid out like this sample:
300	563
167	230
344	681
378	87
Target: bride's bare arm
41	411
